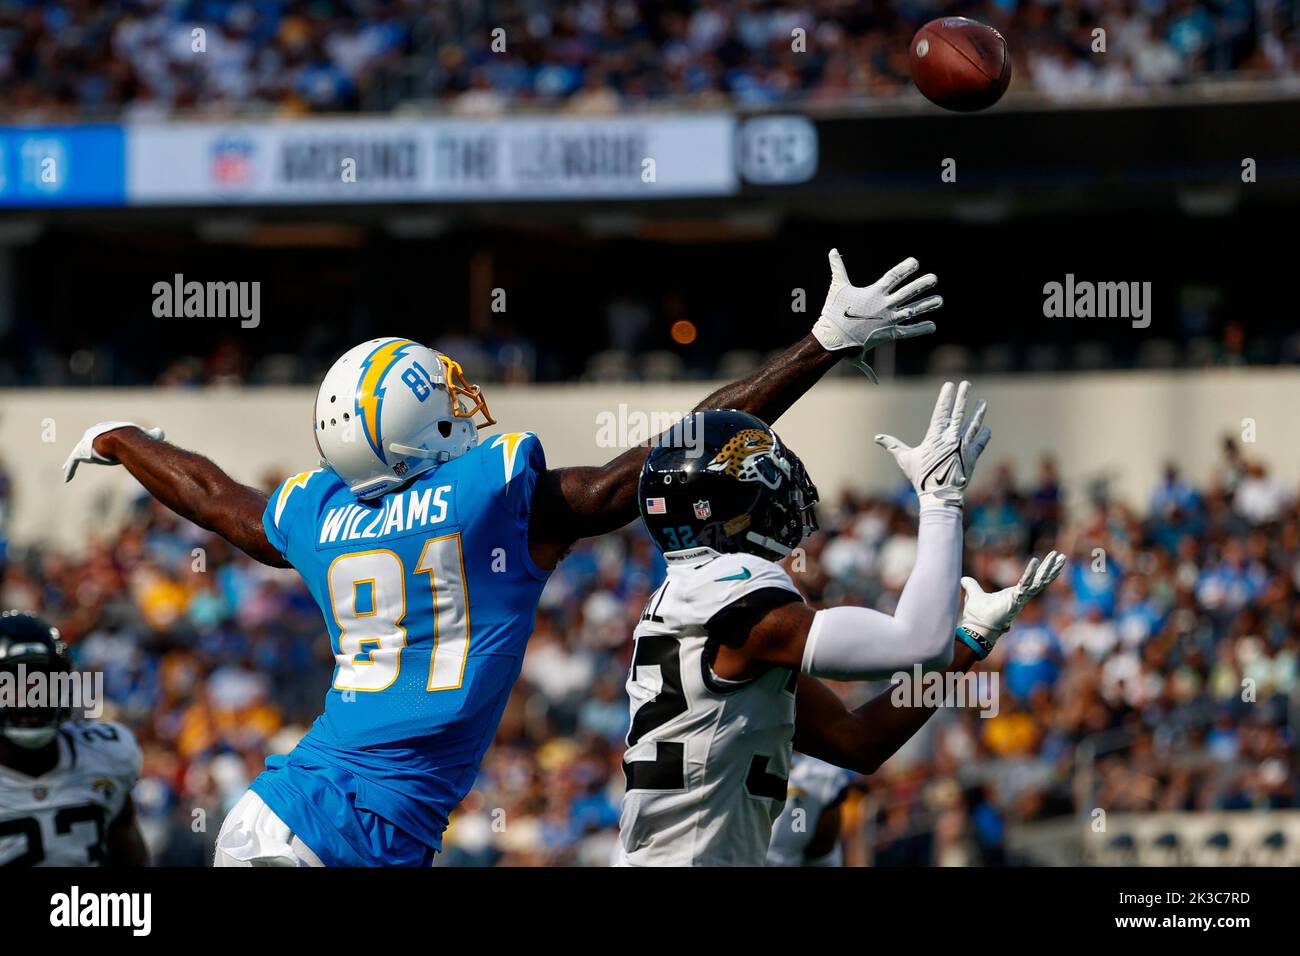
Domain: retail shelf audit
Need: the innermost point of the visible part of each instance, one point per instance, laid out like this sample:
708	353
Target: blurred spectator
65	59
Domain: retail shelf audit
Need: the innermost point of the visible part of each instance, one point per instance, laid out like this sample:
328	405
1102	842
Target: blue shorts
318	802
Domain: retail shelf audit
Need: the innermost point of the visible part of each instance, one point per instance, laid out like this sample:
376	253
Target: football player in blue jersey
427	551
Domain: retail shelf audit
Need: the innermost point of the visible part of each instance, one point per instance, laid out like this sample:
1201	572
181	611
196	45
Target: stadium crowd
1170	648
143	58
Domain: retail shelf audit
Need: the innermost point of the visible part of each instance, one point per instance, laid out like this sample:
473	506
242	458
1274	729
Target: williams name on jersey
429	595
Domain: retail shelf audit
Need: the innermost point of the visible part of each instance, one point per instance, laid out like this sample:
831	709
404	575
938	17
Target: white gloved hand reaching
865	316
940	467
986	617
85	449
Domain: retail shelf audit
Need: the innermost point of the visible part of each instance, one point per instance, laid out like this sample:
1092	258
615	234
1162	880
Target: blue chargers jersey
429	595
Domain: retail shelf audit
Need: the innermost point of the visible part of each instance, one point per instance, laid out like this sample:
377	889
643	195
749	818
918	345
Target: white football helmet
390	409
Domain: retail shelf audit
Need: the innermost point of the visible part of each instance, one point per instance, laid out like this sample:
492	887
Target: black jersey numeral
30	828
64	820
760	783
668	770
656	599
96	852
92	732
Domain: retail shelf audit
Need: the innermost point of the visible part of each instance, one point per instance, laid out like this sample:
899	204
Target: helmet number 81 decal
419	381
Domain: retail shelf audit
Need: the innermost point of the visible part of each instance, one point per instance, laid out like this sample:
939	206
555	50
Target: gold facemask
457	386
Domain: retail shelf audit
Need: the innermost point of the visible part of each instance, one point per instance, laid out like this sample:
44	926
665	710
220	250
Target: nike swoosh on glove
85	450
940	467
866	316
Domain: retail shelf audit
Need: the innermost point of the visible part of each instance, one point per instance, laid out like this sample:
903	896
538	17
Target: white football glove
865	317
85	450
940	467
986	617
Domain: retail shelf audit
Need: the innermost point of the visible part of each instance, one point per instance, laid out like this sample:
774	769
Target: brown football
960	64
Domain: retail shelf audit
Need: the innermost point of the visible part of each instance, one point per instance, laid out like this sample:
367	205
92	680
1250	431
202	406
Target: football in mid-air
960	64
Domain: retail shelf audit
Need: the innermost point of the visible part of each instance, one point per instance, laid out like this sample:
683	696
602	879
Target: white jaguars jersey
815	785
707	759
61	818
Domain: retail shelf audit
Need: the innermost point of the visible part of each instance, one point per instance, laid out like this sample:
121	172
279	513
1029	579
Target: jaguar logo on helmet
751	455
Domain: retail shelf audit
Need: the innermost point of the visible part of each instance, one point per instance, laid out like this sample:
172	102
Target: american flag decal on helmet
655	506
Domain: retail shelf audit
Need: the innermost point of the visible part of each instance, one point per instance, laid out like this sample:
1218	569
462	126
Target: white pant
252	835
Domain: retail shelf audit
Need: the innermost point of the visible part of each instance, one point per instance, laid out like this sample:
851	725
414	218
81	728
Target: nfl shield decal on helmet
703	509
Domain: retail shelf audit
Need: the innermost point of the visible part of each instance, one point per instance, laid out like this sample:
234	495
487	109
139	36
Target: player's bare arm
186	482
825	832
863	739
584	501
124	841
573	503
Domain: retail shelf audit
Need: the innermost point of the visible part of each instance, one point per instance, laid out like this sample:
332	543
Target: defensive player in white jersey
807	833
723	675
65	785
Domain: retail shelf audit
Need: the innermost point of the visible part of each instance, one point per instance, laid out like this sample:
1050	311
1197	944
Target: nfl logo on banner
703	509
655	506
231	161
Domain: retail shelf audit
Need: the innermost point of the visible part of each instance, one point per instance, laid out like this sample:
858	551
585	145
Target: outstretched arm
863	739
855	643
190	485
573	503
859	643
860	740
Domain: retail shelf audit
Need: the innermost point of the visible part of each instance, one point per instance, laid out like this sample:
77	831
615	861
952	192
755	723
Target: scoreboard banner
873	165
445	160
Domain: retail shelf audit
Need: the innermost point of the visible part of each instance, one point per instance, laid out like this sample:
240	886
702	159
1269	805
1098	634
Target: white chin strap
31	738
766	542
439	456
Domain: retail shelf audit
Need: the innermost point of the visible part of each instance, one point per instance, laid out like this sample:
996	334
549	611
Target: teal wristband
982	646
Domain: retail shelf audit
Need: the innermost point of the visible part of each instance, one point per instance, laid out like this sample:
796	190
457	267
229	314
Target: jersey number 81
368	591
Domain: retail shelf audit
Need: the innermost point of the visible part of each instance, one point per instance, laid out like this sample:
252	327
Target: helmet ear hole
444	428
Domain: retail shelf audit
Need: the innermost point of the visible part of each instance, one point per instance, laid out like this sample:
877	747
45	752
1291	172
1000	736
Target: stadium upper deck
148	58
